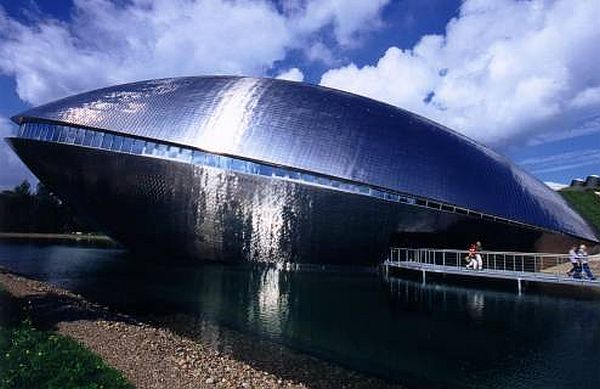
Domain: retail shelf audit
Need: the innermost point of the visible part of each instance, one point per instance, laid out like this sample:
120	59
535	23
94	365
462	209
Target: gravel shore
177	351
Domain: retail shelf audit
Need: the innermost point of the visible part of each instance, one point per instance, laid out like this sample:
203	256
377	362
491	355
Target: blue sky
522	77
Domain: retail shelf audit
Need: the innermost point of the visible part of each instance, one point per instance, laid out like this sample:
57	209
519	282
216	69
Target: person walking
575	270
583	257
471	257
478	250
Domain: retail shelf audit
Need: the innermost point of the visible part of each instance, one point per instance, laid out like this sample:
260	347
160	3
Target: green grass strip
30	358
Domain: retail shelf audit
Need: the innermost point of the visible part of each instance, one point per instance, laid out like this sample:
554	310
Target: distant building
591	182
237	168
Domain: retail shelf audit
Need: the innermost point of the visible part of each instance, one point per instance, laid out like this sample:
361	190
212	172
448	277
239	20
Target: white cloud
107	43
588	97
504	70
587	126
563	161
293	74
318	51
555	185
6	129
349	17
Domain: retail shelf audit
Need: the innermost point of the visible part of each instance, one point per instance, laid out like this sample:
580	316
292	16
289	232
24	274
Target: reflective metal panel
210	213
324	131
120	144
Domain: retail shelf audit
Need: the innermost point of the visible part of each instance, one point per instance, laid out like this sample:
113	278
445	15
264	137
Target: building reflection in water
271	299
390	327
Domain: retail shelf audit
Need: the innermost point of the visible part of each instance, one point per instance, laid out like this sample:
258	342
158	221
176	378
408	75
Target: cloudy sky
521	76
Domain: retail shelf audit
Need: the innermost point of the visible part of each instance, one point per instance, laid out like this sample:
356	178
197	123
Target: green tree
21	210
16	208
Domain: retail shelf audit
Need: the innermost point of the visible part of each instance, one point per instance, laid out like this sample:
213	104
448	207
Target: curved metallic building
231	168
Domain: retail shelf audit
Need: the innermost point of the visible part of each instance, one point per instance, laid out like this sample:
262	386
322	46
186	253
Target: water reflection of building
232	168
271	308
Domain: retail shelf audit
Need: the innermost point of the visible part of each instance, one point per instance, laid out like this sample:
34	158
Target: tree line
25	210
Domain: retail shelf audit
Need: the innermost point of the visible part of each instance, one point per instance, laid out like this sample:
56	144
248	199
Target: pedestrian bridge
544	268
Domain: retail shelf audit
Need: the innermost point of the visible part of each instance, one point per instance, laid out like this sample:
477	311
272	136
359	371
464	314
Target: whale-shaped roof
321	130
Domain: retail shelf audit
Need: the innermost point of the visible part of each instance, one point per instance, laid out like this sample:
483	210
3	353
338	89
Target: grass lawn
30	358
587	203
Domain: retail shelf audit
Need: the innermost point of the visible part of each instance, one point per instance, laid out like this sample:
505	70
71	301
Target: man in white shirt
575	271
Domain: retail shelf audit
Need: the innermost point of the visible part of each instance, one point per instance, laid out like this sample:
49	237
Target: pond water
421	335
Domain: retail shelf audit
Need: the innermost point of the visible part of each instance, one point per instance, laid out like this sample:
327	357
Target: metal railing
529	264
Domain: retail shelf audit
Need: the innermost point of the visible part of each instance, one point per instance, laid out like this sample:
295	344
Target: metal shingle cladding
321	130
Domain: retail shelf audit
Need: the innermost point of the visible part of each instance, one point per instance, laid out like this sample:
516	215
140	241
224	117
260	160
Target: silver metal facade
173	208
324	131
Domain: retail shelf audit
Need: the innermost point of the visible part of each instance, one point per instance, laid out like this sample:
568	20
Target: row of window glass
106	141
126	144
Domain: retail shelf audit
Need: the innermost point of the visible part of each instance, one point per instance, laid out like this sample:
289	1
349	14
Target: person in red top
472	257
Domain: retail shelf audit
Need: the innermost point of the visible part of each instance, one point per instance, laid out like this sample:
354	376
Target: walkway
521	267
